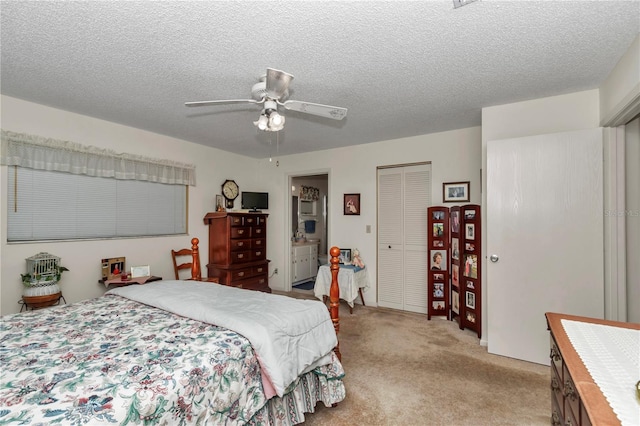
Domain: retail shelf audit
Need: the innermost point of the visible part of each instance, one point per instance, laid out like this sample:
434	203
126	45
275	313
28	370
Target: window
46	205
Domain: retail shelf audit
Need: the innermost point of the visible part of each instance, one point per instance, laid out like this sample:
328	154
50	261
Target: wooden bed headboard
334	291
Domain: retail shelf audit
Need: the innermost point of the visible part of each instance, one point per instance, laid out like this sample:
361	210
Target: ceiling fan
272	90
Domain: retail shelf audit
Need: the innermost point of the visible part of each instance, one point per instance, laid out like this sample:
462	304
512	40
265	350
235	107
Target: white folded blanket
289	335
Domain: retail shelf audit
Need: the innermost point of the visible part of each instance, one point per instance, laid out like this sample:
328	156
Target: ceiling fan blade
337	113
277	83
221	102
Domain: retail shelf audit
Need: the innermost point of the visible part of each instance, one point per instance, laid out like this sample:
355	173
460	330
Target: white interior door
404	194
545	225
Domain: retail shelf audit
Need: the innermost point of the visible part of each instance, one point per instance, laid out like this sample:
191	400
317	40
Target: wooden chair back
187	259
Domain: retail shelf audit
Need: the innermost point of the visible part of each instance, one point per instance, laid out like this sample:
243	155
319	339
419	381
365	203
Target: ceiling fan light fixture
275	119
262	123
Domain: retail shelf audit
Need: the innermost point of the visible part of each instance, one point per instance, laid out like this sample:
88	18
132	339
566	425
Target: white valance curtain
36	152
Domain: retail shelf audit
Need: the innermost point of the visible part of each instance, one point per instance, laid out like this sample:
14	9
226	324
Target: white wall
621	88
83	257
455	156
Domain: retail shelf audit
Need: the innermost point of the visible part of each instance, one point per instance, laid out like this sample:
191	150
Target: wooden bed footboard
334	292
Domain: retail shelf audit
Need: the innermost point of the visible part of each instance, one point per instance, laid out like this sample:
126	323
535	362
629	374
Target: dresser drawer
236	220
253	220
240	245
241	232
571	398
557	419
556	390
241	274
259	270
258	254
556	358
259	282
258	232
240	256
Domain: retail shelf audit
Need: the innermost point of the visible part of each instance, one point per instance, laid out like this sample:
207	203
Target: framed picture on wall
351	204
453	192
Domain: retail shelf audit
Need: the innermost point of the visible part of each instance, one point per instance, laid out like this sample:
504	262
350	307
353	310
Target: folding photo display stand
455	229
438	262
470	278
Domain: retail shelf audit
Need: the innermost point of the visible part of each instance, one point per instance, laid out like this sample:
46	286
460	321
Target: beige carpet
402	369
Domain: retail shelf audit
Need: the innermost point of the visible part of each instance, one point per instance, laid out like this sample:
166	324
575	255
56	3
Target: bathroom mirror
308	208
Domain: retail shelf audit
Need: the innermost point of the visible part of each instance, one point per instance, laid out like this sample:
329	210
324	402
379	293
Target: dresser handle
240	256
258	253
261	281
258	231
240	244
569	391
555	354
259	269
241	274
240	231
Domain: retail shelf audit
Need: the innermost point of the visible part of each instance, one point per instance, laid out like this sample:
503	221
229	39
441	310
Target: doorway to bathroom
308	229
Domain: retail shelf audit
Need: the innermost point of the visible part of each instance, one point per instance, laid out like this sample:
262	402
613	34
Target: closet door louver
404	194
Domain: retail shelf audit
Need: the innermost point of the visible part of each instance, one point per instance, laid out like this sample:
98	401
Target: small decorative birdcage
43	274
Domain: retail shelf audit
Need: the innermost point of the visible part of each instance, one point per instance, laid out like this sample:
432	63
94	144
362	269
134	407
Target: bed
172	352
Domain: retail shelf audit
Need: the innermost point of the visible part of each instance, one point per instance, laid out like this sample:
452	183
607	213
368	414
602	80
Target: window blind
49	205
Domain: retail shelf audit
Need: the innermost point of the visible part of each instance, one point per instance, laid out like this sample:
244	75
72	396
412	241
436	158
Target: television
255	201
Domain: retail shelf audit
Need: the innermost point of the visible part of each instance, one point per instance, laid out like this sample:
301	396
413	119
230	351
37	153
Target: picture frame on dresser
345	256
140	271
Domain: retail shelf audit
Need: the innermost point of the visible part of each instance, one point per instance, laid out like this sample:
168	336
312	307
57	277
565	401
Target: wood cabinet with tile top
238	249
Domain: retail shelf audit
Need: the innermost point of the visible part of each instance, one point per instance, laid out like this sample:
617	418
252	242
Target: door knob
389	246
494	258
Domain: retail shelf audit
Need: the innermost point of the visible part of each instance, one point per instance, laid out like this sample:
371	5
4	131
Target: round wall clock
230	192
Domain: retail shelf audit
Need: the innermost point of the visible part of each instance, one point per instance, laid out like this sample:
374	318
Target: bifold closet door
404	194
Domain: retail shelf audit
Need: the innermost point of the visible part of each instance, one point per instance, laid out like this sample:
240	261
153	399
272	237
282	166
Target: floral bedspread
111	360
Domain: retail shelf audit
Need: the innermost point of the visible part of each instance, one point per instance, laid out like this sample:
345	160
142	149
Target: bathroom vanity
304	261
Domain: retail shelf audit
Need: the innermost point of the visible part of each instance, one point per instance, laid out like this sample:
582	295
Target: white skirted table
351	281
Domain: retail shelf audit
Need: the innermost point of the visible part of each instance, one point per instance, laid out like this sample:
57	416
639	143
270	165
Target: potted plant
40	282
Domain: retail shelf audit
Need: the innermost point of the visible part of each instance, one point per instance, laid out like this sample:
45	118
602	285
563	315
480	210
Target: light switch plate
368	229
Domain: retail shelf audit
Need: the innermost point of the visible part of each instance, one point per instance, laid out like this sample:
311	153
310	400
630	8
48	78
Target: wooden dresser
238	249
575	398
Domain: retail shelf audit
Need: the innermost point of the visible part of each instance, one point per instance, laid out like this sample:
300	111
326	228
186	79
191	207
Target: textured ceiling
402	68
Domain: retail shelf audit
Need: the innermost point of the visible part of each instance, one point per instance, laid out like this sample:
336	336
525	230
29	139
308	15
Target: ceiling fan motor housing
259	91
